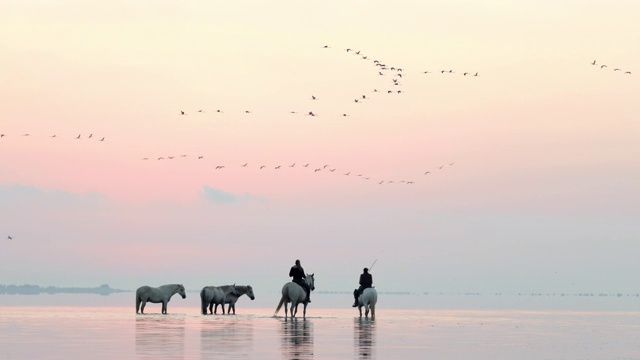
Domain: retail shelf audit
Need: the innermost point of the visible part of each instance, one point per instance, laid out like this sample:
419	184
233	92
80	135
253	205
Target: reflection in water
160	336
297	339
226	337
364	336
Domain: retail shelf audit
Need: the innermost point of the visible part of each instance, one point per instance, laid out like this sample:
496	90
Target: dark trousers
357	292
304	286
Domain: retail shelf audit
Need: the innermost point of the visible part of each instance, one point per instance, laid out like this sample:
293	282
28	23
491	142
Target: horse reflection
226	338
364	337
160	336
297	339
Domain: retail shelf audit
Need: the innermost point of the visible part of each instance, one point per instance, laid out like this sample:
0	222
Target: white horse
295	294
368	299
233	298
160	294
215	295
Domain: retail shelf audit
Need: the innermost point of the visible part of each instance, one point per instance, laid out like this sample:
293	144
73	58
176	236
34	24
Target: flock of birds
381	68
603	66
79	137
326	168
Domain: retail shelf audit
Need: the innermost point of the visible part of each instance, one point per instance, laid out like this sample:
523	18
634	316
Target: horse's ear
313	274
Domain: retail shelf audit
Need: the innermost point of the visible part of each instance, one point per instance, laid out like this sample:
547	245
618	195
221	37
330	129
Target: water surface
103	332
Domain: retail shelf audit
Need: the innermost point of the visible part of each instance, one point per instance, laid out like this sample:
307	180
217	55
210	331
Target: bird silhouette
245	165
316	170
313	97
200	157
616	69
628	72
603	66
277	167
145	158
263	166
182	112
305	165
9	237
78	137
161	158
54	135
428	172
593	63
102	139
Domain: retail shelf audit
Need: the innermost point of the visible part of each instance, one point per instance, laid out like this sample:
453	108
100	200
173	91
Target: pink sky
544	144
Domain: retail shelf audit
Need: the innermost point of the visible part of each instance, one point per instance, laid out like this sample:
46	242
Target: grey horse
215	295
295	294
233	298
160	294
368	299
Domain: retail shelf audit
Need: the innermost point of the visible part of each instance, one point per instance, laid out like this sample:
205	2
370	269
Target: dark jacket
297	273
366	280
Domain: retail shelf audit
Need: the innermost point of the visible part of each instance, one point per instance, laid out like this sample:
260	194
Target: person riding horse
298	277
366	281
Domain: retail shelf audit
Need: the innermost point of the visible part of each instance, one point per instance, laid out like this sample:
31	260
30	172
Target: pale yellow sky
540	133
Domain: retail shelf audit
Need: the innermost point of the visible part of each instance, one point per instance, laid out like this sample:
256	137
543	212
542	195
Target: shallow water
103	332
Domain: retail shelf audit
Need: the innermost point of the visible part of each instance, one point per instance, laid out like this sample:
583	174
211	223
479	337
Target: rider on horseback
298	277
366	281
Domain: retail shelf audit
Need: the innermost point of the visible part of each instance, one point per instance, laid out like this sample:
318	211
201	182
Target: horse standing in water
233	298
295	294
160	294
210	295
368	299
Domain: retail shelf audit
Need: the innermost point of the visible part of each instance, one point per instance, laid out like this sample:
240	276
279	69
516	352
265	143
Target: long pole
374	262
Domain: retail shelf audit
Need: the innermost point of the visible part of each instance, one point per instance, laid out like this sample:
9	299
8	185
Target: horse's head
181	291
250	292
310	281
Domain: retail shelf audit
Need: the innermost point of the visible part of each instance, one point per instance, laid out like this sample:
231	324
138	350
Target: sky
522	178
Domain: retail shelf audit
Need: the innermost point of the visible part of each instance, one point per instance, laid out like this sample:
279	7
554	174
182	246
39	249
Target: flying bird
9	237
313	97
182	112
277	167
245	165
428	172
78	137
102	139
603	66
628	72
263	166
593	63
200	157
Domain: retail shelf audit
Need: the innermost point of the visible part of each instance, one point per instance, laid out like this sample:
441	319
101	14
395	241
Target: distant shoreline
36	290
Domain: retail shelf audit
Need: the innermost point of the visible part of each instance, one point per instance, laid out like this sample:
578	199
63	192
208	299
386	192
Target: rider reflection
364	337
297	339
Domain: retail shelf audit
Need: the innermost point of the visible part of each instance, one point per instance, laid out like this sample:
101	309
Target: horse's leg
360	310
215	308
285	309
304	310
142	306
164	307
137	304
211	308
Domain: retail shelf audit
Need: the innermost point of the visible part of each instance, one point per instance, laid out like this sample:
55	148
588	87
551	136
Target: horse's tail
138	301
282	300
203	301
